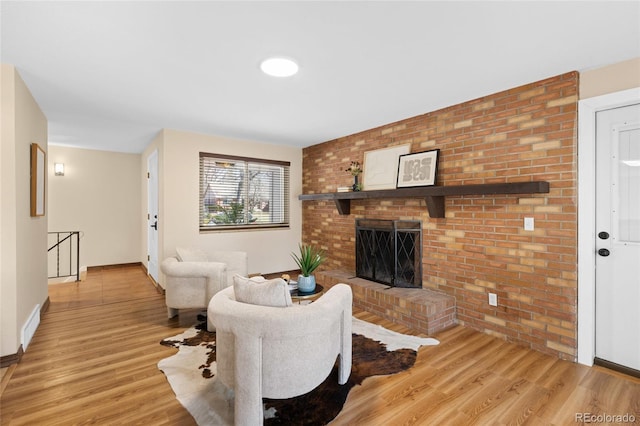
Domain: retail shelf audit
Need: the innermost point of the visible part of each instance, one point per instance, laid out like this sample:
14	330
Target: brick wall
526	133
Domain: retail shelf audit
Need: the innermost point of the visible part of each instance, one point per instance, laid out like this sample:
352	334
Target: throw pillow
190	255
258	291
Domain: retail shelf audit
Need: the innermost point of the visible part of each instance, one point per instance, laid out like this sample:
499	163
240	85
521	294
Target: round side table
297	296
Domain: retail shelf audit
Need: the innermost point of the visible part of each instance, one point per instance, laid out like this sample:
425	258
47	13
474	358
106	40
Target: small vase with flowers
355	170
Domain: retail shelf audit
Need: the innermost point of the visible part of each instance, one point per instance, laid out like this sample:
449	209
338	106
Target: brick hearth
422	310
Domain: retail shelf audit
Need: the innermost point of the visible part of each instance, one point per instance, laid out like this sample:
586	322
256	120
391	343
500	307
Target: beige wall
23	239
99	196
610	78
269	250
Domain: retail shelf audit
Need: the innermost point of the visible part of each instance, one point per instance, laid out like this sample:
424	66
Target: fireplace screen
389	251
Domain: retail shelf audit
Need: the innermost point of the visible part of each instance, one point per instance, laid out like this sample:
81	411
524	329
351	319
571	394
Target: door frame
155	156
587	109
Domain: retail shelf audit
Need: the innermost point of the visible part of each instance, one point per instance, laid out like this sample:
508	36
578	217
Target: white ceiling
109	75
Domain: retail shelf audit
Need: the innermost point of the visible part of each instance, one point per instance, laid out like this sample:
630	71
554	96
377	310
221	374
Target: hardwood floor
93	361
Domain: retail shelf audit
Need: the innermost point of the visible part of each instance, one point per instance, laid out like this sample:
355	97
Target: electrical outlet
529	224
493	299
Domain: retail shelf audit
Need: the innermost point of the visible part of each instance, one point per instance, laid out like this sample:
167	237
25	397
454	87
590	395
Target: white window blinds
243	193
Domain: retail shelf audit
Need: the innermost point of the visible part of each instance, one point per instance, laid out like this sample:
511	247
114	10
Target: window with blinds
243	193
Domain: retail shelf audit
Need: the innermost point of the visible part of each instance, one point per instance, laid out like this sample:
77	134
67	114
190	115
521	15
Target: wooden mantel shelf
433	195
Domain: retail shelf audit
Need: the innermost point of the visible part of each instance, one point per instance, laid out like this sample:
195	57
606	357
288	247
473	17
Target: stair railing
62	237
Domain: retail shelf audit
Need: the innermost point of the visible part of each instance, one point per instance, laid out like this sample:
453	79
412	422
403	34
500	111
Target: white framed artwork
381	167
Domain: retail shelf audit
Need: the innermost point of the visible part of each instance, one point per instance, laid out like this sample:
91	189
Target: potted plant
308	260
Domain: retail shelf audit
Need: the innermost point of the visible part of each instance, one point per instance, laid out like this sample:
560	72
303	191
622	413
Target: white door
618	236
152	230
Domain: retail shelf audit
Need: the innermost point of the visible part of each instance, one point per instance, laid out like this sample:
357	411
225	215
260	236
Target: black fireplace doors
389	252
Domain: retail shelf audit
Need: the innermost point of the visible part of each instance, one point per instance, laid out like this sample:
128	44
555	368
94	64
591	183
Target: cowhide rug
191	374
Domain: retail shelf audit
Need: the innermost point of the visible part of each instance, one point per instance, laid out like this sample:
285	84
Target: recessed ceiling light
279	67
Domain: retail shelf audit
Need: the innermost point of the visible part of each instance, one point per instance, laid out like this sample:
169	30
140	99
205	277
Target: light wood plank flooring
93	361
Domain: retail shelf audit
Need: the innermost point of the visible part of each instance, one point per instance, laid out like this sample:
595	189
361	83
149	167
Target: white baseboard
30	327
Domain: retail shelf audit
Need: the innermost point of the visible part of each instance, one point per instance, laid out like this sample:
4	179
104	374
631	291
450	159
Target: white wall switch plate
529	224
493	299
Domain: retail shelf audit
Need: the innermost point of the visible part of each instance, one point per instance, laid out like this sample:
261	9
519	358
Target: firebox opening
389	251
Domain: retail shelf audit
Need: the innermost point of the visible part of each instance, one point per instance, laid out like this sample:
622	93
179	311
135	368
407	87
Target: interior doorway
152	215
618	237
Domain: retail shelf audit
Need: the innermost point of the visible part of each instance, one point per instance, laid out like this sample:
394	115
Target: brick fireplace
523	134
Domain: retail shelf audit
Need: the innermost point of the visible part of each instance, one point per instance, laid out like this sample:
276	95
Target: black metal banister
57	247
71	233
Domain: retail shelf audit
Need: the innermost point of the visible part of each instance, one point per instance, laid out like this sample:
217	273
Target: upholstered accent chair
278	350
193	276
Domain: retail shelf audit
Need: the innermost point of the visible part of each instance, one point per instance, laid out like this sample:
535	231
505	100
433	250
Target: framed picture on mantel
418	169
380	167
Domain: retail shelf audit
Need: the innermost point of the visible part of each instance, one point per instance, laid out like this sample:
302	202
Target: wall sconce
58	169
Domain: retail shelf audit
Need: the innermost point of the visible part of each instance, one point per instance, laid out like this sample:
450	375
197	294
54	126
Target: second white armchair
194	276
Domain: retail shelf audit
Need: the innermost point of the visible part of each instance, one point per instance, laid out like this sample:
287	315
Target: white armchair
193	276
279	352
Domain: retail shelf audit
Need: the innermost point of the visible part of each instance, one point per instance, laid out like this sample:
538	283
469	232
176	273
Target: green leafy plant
309	259
231	214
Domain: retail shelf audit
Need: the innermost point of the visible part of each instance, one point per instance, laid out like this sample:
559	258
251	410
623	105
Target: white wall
99	196
268	250
23	239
